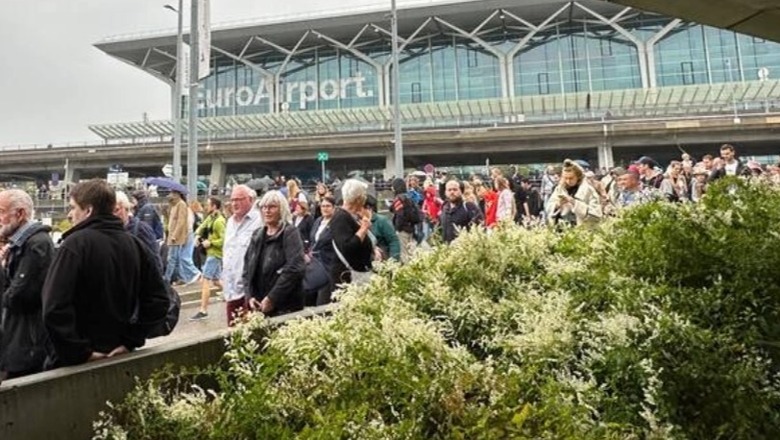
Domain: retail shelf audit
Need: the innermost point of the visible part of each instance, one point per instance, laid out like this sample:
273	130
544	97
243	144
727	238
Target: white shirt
237	238
731	169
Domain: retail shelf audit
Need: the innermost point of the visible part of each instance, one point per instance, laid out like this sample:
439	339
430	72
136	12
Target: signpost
118	179
322	157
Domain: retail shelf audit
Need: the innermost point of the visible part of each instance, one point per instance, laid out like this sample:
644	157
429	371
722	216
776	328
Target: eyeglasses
269	207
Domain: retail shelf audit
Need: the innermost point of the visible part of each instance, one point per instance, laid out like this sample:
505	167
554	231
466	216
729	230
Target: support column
652	74
389	172
218	171
605	156
72	175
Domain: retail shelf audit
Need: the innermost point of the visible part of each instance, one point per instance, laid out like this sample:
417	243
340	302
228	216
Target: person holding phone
351	225
574	201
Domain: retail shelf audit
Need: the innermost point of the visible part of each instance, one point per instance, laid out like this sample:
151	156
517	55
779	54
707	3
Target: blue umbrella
583	164
163	182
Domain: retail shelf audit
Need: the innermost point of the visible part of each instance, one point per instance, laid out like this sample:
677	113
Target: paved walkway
187	329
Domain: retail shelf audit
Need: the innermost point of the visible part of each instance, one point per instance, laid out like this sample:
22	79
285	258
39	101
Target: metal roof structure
759	18
755	96
350	30
155	53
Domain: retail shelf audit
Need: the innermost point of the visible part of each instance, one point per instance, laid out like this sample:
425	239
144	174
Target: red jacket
432	205
491	208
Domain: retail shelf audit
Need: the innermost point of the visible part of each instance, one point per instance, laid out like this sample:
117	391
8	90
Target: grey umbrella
260	185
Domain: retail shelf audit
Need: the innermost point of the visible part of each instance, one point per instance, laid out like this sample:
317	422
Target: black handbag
316	275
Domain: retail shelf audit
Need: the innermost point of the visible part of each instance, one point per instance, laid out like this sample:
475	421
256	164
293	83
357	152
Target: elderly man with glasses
238	233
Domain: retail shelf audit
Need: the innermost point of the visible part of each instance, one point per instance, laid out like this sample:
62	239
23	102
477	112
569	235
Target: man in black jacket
457	213
406	217
147	213
25	257
103	291
729	165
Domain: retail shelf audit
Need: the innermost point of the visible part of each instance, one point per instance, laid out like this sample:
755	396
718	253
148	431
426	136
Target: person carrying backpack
406	217
103	294
147	213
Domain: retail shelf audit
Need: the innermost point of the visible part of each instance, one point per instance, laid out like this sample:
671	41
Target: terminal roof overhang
155	53
759	18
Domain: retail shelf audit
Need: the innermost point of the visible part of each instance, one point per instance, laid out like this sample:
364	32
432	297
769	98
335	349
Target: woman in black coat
274	262
350	227
303	221
321	245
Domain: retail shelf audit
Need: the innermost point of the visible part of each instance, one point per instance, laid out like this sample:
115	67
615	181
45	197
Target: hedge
659	324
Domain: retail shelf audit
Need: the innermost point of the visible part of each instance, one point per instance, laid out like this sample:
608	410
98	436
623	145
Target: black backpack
412	213
197	222
165	326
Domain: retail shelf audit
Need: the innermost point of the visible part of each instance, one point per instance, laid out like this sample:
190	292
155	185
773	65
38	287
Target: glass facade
568	57
576	57
447	69
696	54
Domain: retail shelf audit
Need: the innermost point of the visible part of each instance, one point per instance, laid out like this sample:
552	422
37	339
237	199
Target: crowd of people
99	293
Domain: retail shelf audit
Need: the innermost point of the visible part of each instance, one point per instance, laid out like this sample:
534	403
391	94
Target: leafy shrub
660	324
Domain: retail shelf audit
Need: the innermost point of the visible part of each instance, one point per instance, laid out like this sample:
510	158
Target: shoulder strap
341	256
369	235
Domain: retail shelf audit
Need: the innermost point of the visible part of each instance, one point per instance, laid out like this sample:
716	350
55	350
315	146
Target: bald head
16	209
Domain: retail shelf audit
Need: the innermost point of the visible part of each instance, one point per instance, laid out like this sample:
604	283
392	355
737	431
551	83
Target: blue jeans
180	260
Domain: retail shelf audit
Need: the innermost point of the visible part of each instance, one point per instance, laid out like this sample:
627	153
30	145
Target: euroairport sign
299	91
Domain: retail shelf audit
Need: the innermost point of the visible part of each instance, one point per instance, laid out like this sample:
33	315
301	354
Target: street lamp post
178	92
192	138
399	145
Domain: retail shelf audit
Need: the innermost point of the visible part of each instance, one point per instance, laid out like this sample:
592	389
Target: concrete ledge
63	403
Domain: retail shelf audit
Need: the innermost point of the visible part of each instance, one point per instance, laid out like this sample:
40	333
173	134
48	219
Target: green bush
660	324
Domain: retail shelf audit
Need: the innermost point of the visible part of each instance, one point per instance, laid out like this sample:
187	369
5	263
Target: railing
634	105
692	101
60	145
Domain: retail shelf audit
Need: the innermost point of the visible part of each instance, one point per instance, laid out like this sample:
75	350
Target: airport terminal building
511	81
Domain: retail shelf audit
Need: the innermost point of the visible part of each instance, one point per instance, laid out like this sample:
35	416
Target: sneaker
198	316
194	279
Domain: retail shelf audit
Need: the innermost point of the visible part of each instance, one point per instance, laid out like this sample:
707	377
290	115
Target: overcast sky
54	83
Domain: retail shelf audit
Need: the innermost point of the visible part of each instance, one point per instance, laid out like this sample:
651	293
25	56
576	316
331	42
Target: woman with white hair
350	227
274	264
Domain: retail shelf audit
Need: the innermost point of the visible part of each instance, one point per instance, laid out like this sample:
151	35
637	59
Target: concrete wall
63	403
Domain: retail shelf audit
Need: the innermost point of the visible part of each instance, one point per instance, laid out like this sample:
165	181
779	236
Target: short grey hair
18	199
352	190
249	191
123	201
277	198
